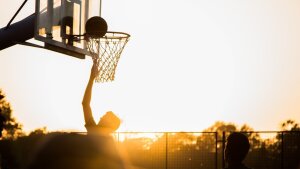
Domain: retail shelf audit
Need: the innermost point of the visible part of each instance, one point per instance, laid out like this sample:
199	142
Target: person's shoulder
91	126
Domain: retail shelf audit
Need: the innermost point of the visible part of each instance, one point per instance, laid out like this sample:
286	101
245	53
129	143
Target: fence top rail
267	131
162	132
192	132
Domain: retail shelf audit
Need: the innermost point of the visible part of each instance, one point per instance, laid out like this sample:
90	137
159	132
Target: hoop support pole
7	26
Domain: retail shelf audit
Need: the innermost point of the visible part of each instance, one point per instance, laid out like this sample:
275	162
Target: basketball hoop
104	46
106	52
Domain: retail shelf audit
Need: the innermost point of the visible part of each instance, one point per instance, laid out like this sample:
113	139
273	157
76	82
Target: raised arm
88	114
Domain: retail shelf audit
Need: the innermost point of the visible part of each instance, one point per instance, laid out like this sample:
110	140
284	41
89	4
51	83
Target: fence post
119	137
282	147
166	150
216	163
223	149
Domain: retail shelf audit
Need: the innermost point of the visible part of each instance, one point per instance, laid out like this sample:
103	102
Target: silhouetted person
96	150
236	150
107	123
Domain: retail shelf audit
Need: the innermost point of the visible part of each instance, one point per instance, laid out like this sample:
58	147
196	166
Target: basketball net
106	52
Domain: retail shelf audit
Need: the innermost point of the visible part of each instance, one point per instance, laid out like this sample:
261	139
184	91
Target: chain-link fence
170	150
290	150
180	150
197	150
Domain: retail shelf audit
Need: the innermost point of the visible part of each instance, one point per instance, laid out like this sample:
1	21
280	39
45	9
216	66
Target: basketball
96	27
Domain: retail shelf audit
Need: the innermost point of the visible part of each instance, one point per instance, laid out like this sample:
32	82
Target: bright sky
188	64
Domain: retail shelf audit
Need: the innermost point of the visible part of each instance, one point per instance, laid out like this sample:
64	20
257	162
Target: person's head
109	121
237	147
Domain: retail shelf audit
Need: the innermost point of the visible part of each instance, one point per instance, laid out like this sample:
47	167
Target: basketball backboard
56	20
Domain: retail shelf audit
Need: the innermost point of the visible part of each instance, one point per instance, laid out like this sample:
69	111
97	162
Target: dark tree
39	131
290	125
9	127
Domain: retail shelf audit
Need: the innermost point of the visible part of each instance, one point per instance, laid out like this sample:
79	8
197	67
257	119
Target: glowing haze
188	64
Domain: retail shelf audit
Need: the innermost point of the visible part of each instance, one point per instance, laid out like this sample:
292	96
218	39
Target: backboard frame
62	47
